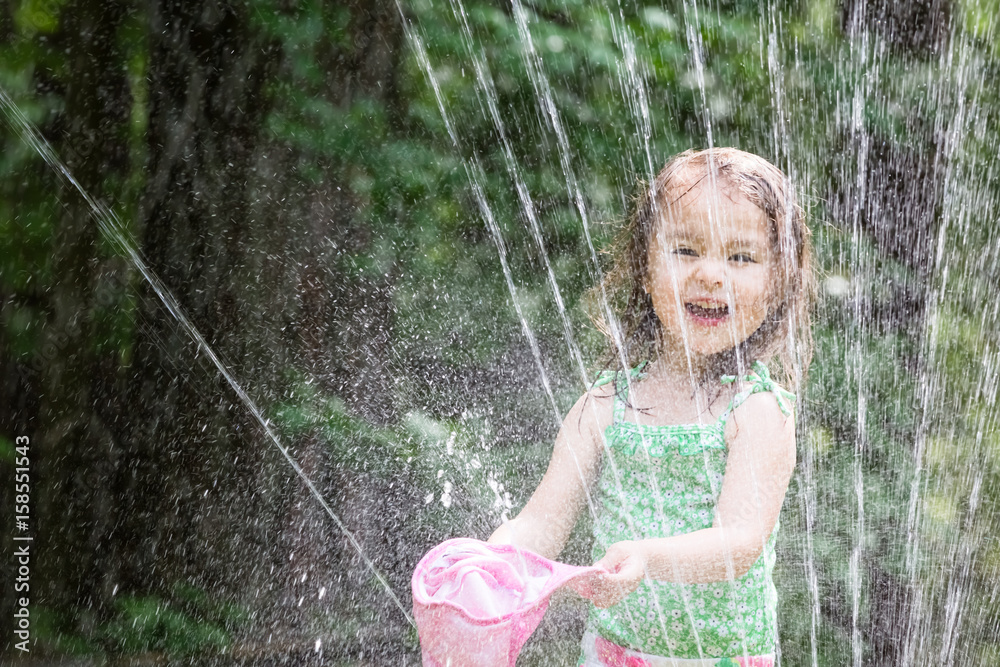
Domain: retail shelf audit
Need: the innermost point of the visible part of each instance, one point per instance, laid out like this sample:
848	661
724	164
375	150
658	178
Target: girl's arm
759	465
544	525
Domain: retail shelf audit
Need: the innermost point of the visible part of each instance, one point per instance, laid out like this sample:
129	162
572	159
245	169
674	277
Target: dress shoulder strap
758	380
621	381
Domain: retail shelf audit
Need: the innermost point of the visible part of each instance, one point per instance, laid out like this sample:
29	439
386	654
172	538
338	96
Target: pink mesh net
476	604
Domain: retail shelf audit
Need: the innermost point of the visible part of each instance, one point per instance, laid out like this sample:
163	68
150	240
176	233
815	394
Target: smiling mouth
709	313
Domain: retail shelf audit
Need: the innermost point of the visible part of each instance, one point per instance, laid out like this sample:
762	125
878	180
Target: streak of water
474	172
692	30
857	553
784	160
116	234
543	93
959	579
865	62
489	96
631	77
949	127
812	578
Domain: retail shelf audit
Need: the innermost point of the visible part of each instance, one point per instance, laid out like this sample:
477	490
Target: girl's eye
742	258
686	252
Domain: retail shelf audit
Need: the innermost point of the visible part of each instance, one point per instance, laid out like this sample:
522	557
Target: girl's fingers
609	589
627	579
615	554
610	562
585	586
625	564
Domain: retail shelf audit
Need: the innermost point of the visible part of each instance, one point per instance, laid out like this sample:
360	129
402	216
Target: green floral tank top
660	481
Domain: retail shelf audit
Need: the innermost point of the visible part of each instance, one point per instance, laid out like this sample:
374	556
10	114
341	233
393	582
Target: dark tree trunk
188	436
6	22
917	27
72	443
367	69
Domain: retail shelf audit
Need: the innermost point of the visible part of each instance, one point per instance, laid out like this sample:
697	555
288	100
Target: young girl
683	457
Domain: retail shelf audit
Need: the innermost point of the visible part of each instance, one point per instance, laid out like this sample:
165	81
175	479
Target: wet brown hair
783	340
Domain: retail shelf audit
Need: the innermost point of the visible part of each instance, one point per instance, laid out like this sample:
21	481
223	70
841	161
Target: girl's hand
626	566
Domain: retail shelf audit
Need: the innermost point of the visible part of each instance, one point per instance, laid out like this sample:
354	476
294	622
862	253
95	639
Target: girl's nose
711	272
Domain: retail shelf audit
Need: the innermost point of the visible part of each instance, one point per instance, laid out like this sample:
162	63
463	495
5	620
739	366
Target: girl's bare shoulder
593	412
760	420
766	402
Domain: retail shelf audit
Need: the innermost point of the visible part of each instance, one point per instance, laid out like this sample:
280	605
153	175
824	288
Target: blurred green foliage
189	624
183	625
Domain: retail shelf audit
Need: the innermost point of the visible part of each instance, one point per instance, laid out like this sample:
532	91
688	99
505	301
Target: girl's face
711	268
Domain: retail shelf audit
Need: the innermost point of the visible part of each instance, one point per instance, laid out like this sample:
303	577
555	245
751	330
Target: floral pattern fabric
660	481
599	652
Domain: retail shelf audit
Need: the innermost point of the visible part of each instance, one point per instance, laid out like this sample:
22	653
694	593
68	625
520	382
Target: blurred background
379	219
